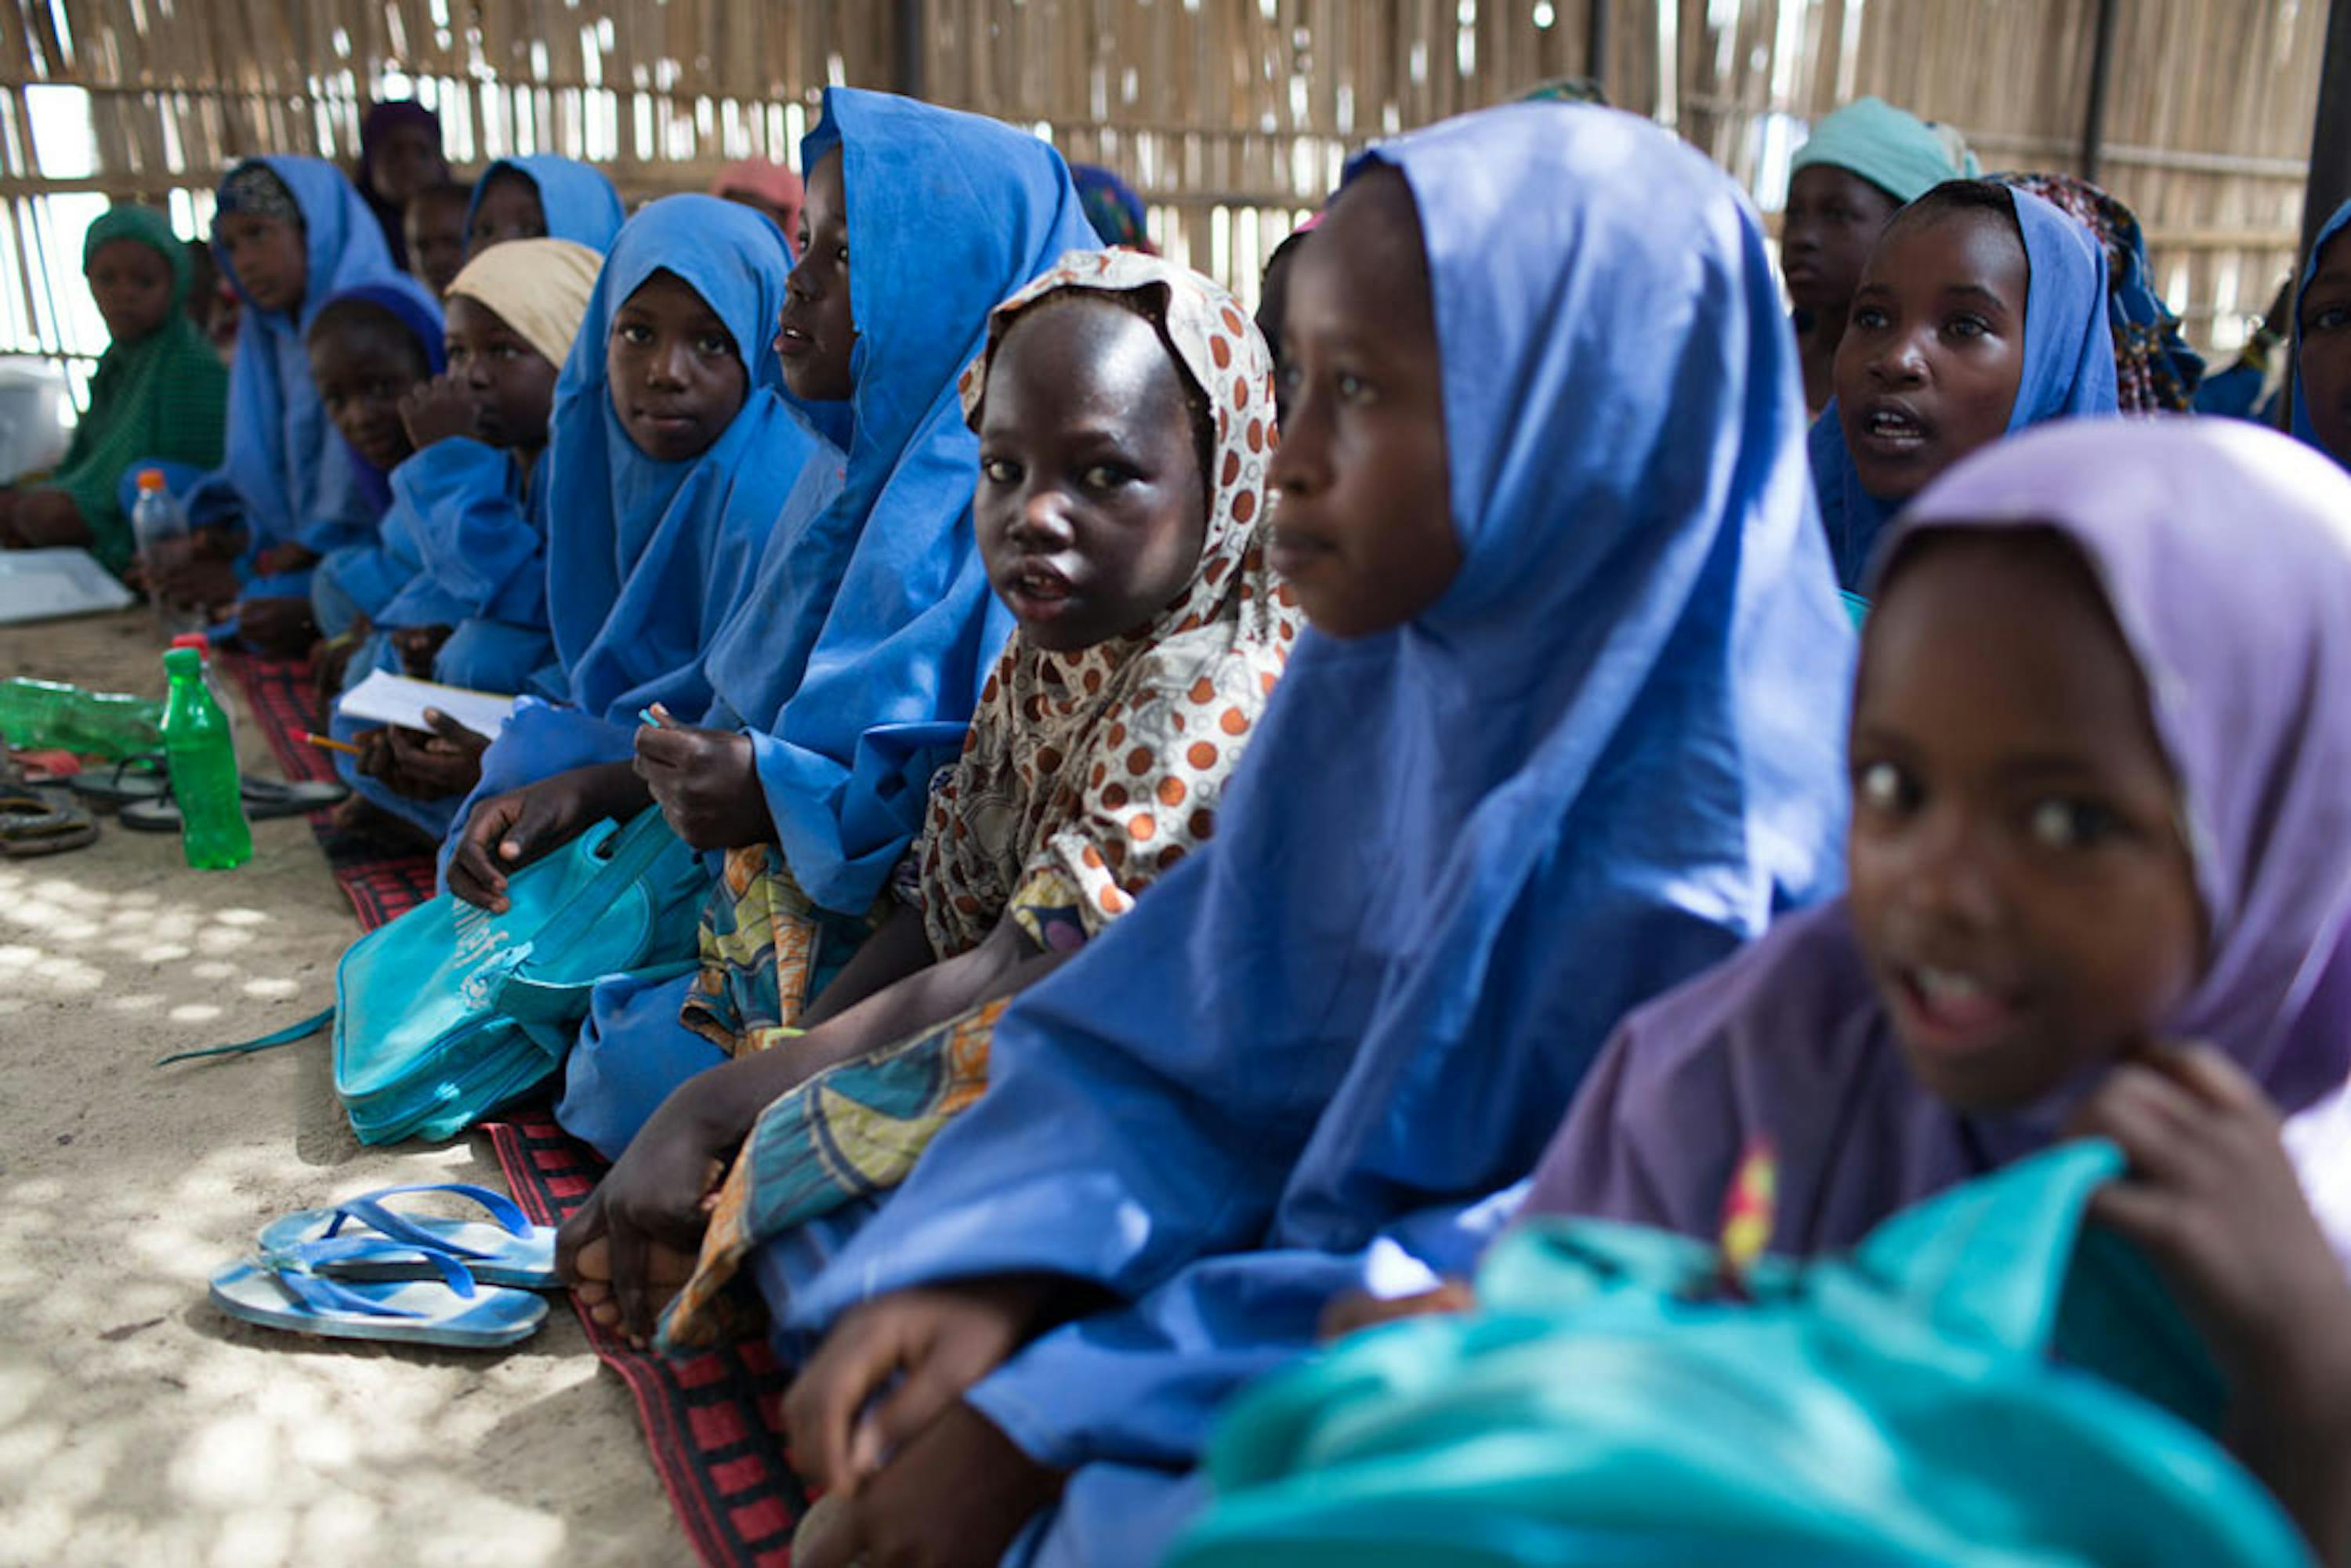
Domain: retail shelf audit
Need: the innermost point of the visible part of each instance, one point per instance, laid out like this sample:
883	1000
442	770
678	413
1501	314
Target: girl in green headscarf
160	395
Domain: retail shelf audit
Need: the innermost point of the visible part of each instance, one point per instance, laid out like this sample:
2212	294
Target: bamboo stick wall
1232	116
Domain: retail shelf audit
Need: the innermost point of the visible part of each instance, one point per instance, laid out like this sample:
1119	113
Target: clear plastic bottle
202	757
159	526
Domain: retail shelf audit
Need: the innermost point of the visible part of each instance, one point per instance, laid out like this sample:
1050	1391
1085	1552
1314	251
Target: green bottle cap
183	662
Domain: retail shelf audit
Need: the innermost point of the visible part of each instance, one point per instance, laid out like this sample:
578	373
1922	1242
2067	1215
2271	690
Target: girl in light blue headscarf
291	234
1945	353
2322	338
1591	760
542	195
857	656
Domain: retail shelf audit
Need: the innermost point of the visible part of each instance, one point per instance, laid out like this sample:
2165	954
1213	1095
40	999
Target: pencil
326	742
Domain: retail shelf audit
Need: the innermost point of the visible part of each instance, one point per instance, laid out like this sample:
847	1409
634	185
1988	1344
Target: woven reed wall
1232	116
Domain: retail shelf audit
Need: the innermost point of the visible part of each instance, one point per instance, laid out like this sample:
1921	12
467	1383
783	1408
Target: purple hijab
2247	654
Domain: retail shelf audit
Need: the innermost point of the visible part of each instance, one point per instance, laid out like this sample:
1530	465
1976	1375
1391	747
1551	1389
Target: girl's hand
47	519
942	1338
278	628
959	1493
439	409
508	831
286	557
706	783
418	646
1351	1312
434	766
2215	1202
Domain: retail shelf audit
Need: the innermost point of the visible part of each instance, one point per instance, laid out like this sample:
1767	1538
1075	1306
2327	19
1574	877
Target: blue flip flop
509	1252
285	1290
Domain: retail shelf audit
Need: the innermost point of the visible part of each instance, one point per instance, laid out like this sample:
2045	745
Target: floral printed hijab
1087	774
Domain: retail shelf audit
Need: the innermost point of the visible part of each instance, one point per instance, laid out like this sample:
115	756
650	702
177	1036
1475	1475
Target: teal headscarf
1894	150
160	397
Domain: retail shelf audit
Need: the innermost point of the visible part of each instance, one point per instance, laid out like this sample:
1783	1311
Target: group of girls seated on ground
1204	832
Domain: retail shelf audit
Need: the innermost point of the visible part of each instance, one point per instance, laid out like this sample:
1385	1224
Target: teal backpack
450	1011
1982	1381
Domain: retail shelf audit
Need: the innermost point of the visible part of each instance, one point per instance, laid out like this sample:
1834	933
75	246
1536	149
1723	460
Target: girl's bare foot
666	1271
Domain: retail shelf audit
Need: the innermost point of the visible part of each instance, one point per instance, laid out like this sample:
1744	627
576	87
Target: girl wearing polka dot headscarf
1125	411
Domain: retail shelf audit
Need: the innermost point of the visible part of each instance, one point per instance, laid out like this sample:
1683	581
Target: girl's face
265	254
509	209
1834	218
132	286
815	332
363	364
677	379
1364	528
513	384
1934	350
1092	509
2324	361
406	161
435	227
2018	882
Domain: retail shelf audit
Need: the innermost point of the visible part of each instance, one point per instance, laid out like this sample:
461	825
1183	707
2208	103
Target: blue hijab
2069	372
290	472
1456	854
646	558
578	200
2303	429
412	305
859	653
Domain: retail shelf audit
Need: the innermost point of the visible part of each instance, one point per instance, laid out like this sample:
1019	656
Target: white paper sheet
387	698
51	584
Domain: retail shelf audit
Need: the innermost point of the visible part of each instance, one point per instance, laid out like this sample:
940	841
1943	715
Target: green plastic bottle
202	759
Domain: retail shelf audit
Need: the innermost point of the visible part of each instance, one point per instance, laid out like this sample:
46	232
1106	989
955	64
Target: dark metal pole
908	63
2330	158
2094	119
1595	45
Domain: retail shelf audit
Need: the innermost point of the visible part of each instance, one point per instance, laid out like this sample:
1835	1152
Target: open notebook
51	584
387	698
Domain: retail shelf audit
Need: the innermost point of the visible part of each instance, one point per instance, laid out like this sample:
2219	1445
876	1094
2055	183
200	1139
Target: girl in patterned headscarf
2155	370
1123	408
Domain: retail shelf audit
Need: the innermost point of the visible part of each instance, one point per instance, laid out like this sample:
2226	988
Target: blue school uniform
362	579
2069	373
289	477
578	200
2303	429
858	651
1455	855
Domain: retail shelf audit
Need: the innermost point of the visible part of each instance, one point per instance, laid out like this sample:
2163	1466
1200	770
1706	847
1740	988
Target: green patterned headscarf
163	396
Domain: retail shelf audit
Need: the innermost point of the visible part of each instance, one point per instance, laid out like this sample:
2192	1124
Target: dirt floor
138	1425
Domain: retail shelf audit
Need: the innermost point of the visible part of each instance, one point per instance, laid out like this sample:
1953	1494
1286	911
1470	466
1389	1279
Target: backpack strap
287	1036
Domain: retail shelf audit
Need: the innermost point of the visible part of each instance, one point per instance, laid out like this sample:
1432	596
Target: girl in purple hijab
2099	867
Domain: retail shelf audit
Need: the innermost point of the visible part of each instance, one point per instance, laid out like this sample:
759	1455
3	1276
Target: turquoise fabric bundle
1894	150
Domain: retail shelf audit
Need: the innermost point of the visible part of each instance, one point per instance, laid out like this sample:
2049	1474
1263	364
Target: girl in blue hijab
291	234
542	195
672	453
1564	734
851	668
355	582
1982	311
2321	355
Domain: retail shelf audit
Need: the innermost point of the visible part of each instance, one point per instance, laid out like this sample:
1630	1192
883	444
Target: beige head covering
538	287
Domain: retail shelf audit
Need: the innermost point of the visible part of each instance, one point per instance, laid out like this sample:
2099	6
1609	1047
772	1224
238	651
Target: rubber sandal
286	1290
33	824
263	799
140	777
507	1250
